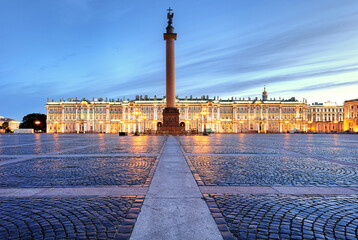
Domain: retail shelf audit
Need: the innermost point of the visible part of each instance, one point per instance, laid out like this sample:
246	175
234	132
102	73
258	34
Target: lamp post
121	125
204	113
56	126
336	125
144	123
287	125
136	113
241	122
197	123
101	126
309	127
37	125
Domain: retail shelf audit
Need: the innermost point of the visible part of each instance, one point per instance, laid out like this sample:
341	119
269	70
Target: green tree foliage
29	121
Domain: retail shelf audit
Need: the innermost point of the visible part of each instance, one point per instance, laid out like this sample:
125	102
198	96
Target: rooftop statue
170	16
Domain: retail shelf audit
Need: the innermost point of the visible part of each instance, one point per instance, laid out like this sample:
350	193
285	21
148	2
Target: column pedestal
171	121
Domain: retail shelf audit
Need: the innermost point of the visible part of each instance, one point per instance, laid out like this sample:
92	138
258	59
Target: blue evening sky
115	49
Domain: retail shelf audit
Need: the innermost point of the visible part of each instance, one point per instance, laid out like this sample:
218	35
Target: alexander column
170	113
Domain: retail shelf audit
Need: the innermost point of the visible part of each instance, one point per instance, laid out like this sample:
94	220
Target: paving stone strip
73	191
173	207
279	190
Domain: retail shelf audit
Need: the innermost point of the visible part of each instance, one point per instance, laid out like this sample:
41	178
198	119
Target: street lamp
101	126
122	127
336	125
37	125
145	119
197	123
56	126
204	113
241	122
136	113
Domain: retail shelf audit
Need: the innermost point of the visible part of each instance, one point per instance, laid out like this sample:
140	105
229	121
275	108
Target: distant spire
264	94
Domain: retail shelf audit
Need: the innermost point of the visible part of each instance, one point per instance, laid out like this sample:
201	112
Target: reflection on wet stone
272	171
77	171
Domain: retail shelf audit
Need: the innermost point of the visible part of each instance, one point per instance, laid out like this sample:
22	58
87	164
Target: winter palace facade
145	114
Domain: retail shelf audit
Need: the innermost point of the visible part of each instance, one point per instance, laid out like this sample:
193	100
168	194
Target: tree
29	120
6	126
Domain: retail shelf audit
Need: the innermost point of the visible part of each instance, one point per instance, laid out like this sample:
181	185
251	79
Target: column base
171	124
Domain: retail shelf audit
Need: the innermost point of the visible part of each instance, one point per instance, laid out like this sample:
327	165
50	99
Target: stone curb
196	175
154	167
125	229
218	217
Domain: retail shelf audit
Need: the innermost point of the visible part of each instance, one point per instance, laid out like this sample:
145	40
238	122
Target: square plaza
253	186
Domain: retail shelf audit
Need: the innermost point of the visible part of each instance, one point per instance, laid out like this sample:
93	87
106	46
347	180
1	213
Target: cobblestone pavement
68	218
77	171
288	217
272	171
80	176
281	160
277	159
123	148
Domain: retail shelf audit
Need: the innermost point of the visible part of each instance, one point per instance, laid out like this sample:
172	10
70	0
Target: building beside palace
351	115
217	115
325	117
13	124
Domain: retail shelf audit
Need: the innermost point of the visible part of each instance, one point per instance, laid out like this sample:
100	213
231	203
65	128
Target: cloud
284	49
326	86
245	84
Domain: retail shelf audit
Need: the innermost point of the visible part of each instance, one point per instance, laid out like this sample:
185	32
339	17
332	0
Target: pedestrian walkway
173	207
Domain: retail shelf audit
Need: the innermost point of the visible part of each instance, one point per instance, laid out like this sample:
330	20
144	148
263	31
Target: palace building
145	114
351	115
325	117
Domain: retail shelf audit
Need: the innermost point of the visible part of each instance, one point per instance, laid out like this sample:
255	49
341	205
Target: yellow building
351	115
13	124
325	117
221	116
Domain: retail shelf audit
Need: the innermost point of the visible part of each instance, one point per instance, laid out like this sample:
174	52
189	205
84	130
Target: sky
115	49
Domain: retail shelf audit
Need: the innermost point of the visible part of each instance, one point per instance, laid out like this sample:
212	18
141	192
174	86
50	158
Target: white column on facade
218	123
280	119
76	119
93	119
107	122
235	119
155	112
88	119
267	119
62	119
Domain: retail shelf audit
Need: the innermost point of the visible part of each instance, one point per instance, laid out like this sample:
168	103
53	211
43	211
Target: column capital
170	35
